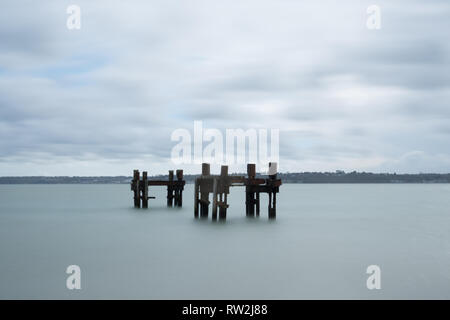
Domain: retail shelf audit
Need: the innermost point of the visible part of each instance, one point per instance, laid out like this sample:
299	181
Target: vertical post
247	202
223	209
136	190
179	188
224	189
223	171
257	203
204	194
133	187
250	193
170	189
196	202
251	198
251	170
270	204
206	169
204	203
214	208
144	190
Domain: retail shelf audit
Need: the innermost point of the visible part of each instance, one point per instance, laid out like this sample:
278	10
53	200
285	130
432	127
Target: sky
105	99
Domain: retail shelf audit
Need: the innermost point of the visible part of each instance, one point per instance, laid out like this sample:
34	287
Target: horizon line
233	173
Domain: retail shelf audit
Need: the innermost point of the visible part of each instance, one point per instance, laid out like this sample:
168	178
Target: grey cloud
341	94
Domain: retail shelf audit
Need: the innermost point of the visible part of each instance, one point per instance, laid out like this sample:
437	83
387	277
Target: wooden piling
179	189
269	209
223	171
140	188
223	208
204	191
214	208
204	205
144	190
257	203
255	186
196	199
219	186
170	189
251	170
206	169
250	190
273	185
136	189
224	189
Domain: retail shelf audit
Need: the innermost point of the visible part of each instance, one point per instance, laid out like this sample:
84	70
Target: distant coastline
301	177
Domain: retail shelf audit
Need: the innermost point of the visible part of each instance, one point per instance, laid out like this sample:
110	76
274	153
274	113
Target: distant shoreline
301	177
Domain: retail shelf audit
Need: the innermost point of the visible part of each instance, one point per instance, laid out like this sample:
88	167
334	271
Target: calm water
324	238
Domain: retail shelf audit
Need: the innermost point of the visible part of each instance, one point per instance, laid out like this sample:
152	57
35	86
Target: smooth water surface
320	245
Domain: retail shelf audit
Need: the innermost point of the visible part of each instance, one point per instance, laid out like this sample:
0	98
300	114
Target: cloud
106	98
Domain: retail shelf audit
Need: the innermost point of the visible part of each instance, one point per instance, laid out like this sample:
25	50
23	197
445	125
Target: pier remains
175	188
219	186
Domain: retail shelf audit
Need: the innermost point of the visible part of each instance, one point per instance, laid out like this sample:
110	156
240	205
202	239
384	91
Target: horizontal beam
165	183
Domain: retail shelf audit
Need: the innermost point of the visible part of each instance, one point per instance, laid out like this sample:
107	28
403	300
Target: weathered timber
205	189
144	190
136	189
174	188
170	190
223	190
178	190
219	186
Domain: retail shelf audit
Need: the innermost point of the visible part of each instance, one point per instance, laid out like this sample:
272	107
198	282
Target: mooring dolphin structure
174	188
219	186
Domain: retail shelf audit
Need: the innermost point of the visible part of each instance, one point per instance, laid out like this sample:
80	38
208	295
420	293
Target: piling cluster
174	188
217	185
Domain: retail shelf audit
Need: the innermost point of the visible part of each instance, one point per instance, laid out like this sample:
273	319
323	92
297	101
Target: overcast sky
105	99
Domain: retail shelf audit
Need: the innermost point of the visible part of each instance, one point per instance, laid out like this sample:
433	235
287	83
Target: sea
320	246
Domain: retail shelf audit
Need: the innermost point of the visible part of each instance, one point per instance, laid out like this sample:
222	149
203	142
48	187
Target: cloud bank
105	99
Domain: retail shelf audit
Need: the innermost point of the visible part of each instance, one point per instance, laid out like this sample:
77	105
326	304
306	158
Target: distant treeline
301	177
363	177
